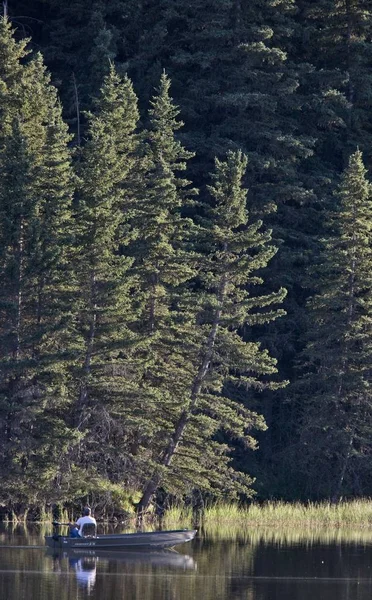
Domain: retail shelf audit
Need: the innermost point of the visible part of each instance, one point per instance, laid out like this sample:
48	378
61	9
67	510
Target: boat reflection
84	561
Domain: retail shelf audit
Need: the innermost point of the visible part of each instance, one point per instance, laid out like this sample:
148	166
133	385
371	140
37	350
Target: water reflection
86	571
84	562
84	567
162	558
253	565
288	536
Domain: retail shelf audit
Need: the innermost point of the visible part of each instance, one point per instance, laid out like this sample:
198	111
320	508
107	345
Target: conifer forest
185	252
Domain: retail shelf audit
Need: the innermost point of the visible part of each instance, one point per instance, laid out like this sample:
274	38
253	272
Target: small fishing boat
116	541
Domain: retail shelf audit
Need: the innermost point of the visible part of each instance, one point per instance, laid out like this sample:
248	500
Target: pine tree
331	39
80	39
104	305
237	88
338	46
231	55
11	74
163	262
35	202
336	424
212	352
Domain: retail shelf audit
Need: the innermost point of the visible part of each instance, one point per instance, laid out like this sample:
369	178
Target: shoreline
271	514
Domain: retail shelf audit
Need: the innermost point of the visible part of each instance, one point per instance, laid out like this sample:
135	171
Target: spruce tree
331	39
233	56
35	240
210	349
104	305
339	87
336	381
237	88
163	261
80	38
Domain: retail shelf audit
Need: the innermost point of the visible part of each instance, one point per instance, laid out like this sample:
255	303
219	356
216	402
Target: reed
13	517
178	517
65	516
281	514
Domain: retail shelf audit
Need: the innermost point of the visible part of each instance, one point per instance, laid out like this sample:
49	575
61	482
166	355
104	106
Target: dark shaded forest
185	251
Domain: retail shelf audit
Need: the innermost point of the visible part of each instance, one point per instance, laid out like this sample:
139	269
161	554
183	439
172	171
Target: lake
248	565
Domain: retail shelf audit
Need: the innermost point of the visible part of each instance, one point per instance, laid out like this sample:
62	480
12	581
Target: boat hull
150	539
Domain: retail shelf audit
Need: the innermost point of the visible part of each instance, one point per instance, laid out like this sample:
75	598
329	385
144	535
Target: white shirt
80	522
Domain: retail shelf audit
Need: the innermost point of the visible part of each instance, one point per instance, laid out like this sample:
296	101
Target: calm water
253	566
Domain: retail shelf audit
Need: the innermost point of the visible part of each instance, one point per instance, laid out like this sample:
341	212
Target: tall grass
356	513
274	515
230	517
178	517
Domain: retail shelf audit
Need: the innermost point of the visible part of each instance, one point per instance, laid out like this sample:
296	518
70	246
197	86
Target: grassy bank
275	523
356	513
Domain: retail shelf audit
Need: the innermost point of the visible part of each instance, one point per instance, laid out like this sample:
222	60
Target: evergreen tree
104	304
237	88
163	263
35	240
231	54
11	73
285	81
161	260
212	352
80	40
338	45
332	40
336	423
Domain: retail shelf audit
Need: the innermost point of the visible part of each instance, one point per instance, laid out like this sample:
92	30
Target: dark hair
86	511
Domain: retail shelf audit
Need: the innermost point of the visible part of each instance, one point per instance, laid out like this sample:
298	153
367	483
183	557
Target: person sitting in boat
77	528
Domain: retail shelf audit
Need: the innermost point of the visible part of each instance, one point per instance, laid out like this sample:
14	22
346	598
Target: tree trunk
236	20
15	326
182	422
89	350
336	496
77	108
152	307
337	493
349	33
18	292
